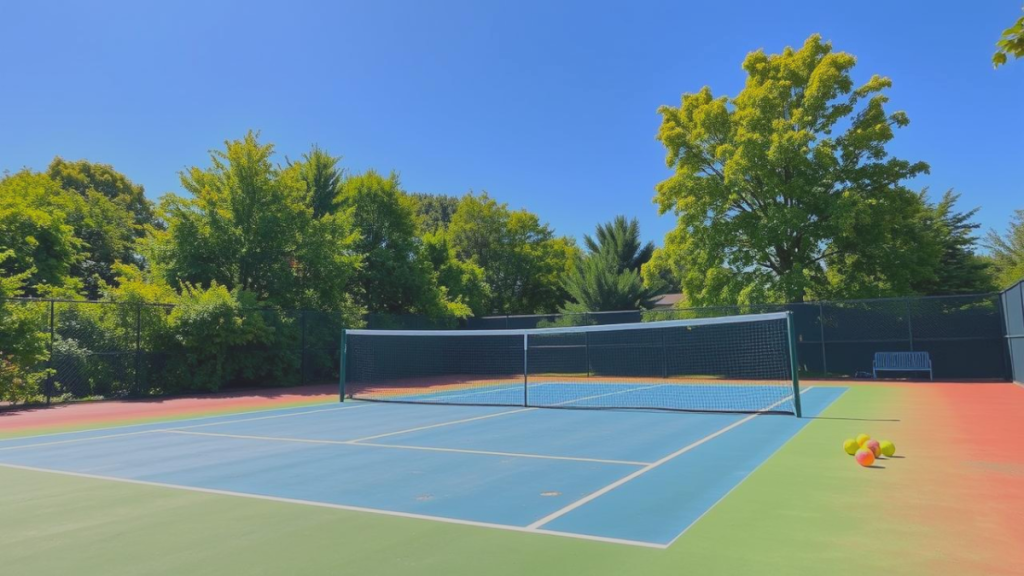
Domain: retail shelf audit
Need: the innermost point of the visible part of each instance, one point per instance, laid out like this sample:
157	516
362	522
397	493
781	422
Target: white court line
594	495
449	423
749	474
71	440
313	503
170	421
607	394
123	434
269	417
408	447
424	398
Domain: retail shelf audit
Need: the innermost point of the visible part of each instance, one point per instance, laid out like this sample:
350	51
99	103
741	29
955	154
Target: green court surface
951	505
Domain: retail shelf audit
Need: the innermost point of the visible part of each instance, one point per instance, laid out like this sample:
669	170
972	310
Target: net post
526	372
791	329
341	365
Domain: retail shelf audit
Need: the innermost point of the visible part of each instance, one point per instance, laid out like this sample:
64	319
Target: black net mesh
739	365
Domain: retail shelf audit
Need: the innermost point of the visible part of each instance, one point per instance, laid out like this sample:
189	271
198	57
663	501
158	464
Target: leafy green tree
620	239
462	282
665	270
39	243
786	190
522	259
84	178
322	176
248	227
1007	251
436	210
395	276
1011	43
960	270
22	339
108	212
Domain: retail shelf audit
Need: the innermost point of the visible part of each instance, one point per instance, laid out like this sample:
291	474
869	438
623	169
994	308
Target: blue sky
546	105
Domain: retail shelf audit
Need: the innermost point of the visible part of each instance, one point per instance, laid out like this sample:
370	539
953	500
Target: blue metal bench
902	362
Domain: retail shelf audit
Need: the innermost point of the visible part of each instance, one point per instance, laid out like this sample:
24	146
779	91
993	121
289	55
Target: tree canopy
1008	251
608	276
1010	44
248	226
522	259
395	275
436	210
786	190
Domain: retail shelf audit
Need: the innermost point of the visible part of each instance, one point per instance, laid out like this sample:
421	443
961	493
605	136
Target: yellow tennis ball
850	447
862	438
888	448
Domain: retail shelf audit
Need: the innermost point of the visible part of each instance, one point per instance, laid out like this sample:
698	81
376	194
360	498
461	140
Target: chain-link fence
963	334
85	349
95	349
1013	307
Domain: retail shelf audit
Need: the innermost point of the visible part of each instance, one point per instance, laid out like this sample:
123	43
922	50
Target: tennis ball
850	447
865	457
888	448
861	439
874	446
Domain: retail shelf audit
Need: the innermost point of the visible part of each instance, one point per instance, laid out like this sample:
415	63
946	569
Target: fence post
49	360
138	345
821	330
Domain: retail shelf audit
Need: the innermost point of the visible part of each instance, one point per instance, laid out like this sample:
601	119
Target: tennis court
620	449
638	478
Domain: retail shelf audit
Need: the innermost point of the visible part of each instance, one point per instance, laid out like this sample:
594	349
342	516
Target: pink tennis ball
875	447
865	457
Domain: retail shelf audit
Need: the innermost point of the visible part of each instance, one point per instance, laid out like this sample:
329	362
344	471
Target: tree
1011	43
786	190
1008	251
620	239
39	245
104	226
960	270
322	177
84	177
436	210
594	285
22	339
247	227
462	282
395	276
608	276
522	259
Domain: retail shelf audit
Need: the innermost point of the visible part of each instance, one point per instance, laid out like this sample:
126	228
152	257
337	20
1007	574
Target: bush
23	341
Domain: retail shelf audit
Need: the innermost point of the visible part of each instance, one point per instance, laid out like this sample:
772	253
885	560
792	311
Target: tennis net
729	364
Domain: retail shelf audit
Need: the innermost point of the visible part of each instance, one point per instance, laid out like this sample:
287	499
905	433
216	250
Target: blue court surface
625	476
